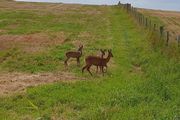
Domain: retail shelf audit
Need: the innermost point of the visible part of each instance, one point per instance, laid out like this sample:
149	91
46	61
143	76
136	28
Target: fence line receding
148	23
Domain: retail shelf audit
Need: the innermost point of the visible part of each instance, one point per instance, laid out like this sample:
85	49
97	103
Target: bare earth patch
136	69
31	42
2	31
18	82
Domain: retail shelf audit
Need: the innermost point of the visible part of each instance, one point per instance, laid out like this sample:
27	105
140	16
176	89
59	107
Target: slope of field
142	82
170	19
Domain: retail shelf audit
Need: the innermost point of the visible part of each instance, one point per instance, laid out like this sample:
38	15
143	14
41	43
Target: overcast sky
153	4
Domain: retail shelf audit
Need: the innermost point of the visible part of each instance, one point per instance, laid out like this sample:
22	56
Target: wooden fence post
131	9
161	30
167	39
135	13
150	24
178	40
154	27
139	17
128	7
142	19
146	22
119	3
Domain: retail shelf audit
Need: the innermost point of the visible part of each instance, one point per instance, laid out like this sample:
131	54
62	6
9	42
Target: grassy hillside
142	82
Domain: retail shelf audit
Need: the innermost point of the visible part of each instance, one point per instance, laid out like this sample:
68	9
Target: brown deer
97	61
74	54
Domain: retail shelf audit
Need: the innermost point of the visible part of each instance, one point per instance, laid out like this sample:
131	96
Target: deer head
80	48
110	53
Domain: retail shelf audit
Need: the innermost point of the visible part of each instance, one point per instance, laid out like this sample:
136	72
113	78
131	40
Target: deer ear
80	46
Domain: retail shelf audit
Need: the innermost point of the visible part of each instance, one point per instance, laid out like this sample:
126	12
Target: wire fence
147	22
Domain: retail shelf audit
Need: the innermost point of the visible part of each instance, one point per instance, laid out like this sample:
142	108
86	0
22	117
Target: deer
97	61
74	54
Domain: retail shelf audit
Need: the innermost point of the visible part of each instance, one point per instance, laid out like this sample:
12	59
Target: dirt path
18	82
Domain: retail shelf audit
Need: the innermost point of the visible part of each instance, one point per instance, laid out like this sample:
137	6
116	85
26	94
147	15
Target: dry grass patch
18	82
32	42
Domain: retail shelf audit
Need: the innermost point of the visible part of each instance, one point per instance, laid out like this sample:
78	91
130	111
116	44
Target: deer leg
96	69
106	68
88	69
84	68
65	62
102	70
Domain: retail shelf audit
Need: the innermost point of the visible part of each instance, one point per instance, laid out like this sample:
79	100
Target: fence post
128	7
139	18
154	27
161	30
150	24
167	40
135	15
119	3
142	19
146	22
131	9
178	40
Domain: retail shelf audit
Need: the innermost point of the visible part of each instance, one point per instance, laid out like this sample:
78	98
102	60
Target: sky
152	4
156	4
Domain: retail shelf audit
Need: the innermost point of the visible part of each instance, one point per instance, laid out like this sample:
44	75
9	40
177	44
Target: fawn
97	61
74	54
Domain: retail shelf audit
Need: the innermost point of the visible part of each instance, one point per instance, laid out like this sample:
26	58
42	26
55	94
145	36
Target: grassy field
143	78
170	19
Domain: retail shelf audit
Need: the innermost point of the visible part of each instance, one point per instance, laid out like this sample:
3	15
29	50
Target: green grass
16	60
74	25
32	22
143	85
